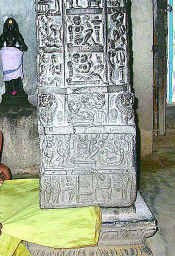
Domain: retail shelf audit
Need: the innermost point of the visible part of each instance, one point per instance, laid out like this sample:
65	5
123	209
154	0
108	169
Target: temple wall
21	147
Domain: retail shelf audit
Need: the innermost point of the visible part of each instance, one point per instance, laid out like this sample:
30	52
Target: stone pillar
86	117
142	29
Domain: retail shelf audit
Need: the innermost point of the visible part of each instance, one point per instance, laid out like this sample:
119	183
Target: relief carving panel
75	188
99	151
49	33
51	111
88	109
82	44
85	69
86	41
117	42
51	69
121	110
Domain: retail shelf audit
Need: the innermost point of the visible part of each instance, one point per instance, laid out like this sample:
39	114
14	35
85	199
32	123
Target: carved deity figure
116	53
81	33
12	46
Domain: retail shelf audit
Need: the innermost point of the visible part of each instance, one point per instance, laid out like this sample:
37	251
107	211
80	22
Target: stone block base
132	250
123	226
123	233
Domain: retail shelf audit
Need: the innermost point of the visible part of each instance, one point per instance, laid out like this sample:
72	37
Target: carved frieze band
130	250
74	188
82	43
126	232
90	109
99	151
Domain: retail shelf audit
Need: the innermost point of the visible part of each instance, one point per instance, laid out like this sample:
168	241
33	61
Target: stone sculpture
12	48
86	118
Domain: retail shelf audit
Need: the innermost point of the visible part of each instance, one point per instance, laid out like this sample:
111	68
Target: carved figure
48	150
50	69
103	189
54	37
47	111
85	67
116	46
50	7
84	31
76	29
124	104
49	32
55	68
69	188
87	108
117	63
12	46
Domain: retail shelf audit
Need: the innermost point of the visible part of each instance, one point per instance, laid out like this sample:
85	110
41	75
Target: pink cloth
12	60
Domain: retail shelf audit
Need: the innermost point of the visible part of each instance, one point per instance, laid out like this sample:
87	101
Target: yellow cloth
22	219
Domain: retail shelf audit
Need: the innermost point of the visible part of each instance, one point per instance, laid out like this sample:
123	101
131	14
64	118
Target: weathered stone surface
95	151
71	188
83	169
132	250
74	39
85	110
86	118
21	143
129	227
123	233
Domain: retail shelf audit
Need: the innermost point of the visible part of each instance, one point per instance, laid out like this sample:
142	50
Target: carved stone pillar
86	117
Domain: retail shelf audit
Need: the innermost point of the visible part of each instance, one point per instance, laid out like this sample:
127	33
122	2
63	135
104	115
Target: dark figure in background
11	37
12	47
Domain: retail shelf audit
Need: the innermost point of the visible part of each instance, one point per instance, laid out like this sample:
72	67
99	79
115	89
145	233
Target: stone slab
132	250
123	232
127	227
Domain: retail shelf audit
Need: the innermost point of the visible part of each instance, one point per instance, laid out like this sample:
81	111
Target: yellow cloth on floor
22	219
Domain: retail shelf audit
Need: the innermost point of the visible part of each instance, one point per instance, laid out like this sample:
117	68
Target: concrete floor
157	185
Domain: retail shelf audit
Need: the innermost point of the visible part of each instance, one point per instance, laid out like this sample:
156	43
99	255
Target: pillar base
124	232
130	250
